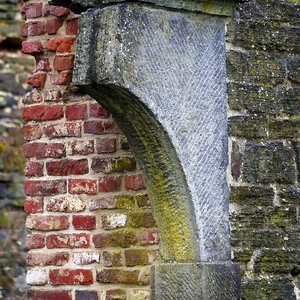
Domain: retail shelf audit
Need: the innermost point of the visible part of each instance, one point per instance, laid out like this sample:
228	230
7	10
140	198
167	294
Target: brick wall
93	234
264	128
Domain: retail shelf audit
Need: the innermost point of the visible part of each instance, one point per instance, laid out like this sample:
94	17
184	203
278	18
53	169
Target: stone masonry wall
93	234
264	128
14	68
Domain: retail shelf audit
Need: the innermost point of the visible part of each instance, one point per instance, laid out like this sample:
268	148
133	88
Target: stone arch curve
162	74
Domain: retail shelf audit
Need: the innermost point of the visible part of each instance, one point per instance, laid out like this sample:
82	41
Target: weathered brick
60	44
57	11
76	111
42	112
68	240
64	62
37	276
139	294
37	80
125	202
47	259
84	222
138	219
113	275
112	258
67	129
45	187
33	205
42	64
46	223
53	95
101	127
116	294
86	295
49	294
33	97
134	182
64	78
148	237
122	238
109	183
43	150
142	200
53	24
35	241
107	202
284	129
113	164
34	168
32	28
113	221
31	10
83	186
32	47
67	166
86	257
106	145
97	111
65	204
72	26
84	147
70	276
135	257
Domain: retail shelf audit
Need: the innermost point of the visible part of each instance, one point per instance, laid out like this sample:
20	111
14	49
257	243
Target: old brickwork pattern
93	234
264	128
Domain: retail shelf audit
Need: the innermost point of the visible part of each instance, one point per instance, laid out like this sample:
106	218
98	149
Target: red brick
70	276
35	241
134	182
101	127
106	145
31	131
97	111
65	204
32	10
83	186
60	44
43	150
64	78
67	129
57	11
108	202
80	147
37	80
46	223
32	28
34	168
113	275
140	257
32	47
84	222
42	64
66	167
63	62
53	24
79	240
72	26
76	111
45	187
109	183
49	295
42	112
47	259
33	205
149	237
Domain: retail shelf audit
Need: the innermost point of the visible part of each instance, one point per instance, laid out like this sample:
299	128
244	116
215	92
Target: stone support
162	74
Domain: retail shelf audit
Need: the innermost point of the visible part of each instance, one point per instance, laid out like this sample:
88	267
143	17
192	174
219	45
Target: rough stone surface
137	52
196	281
